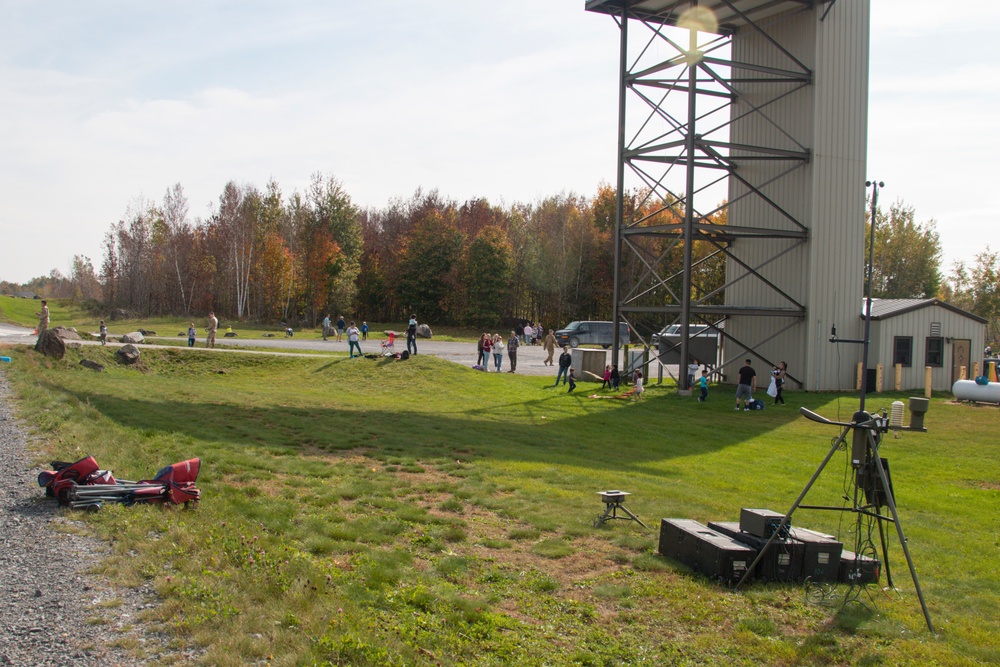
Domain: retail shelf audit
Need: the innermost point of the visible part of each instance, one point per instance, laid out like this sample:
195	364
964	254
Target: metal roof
885	308
731	14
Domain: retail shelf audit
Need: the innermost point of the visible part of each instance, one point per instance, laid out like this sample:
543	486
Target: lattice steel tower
742	143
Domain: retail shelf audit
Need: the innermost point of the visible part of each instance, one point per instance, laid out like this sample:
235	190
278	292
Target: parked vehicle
590	332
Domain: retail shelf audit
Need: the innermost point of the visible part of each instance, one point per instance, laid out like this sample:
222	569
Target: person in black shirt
565	361
747	385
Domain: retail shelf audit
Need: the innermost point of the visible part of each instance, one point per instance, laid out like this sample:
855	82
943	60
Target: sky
107	103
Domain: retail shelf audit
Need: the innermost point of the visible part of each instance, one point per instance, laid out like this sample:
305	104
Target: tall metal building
742	145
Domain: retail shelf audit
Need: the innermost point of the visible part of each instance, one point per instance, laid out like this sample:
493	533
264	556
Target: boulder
120	314
65	333
128	354
147	333
92	365
50	344
267	335
424	331
133	338
230	334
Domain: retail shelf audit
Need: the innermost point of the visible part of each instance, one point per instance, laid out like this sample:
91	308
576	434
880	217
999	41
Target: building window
902	350
934	352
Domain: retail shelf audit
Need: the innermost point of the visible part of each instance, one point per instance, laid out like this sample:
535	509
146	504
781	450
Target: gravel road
47	595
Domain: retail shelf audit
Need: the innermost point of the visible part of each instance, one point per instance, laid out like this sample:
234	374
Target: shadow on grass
609	440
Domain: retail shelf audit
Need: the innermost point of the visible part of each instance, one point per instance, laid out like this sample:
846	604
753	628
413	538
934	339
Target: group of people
342	328
354	333
492	345
748	384
529	333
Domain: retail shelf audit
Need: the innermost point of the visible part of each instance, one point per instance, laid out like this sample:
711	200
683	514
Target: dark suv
590	332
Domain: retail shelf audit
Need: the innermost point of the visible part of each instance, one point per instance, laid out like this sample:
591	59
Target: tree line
266	257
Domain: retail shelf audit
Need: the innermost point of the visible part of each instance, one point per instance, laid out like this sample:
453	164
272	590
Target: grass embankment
375	512
68	313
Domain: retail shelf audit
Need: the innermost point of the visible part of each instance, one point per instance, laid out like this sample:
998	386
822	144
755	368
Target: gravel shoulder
47	595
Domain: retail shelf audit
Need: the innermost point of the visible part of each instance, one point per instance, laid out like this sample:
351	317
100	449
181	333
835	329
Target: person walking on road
550	347
747	385
213	326
353	333
565	361
341	325
326	326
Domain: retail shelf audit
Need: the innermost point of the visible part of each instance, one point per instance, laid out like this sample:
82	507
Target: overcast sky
103	102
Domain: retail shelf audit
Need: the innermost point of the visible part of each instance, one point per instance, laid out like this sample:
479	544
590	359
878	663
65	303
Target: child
364	330
607	378
637	380
572	380
191	334
616	378
703	383
104	333
693	369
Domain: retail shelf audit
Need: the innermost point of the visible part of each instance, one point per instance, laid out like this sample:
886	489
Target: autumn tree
487	274
907	256
977	290
427	281
336	219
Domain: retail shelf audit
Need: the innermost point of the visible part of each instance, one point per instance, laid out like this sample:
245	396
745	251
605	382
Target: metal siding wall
918	324
827	195
839	144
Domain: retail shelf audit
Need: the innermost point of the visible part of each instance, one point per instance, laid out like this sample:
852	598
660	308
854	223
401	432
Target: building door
961	355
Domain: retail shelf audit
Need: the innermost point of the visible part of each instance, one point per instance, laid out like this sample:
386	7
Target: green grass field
360	512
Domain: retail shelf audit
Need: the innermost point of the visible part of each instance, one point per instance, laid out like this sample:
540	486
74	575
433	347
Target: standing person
512	344
341	325
637	380
779	381
616	377
572	380
479	348
703	385
498	348
43	317
191	334
693	369
747	385
565	359
364	330
487	351
550	347
529	333
104	333
213	326
607	377
352	340
519	331
326	326
411	335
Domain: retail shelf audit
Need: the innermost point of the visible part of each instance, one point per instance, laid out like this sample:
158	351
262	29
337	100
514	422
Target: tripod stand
866	431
